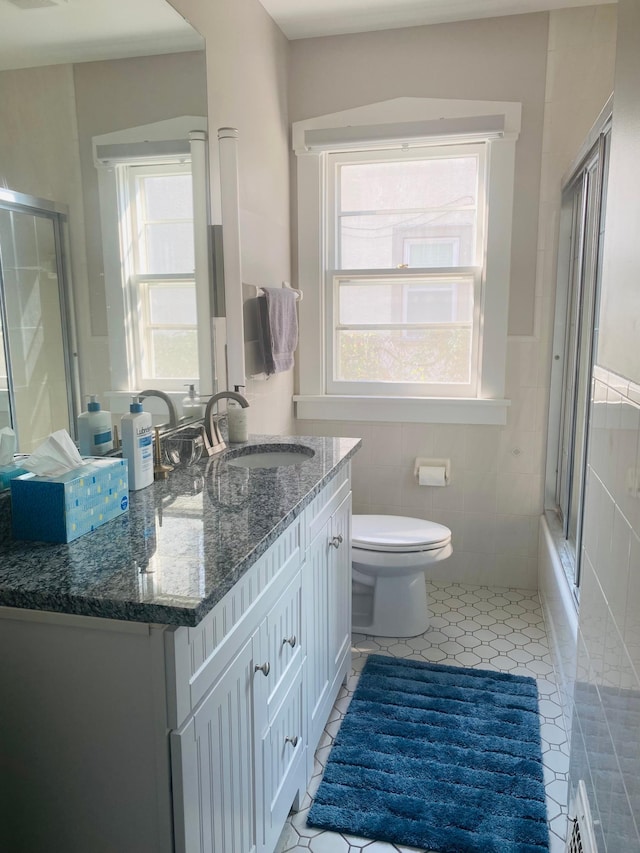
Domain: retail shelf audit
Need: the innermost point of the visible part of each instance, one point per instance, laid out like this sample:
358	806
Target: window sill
425	410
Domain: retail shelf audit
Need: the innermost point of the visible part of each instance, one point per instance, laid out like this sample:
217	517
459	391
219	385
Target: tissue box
7	473
60	509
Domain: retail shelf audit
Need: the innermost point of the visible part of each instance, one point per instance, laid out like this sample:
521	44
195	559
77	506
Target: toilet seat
398	534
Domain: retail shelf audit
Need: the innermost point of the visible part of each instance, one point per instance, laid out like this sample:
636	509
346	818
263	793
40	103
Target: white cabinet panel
340	586
212	761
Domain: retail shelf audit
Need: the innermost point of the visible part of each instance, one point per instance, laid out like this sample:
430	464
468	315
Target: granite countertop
183	544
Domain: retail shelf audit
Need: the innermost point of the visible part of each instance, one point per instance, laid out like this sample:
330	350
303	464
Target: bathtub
560	610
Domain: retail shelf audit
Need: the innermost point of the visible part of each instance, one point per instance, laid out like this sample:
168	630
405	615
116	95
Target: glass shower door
36	378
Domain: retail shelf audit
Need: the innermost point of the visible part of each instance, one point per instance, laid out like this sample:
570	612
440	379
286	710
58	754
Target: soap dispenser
192	407
95	435
137	445
237	420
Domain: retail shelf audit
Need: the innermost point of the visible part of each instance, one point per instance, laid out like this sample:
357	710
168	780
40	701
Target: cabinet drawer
283	770
281	646
195	657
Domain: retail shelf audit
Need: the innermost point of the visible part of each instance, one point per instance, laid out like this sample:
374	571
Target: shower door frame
58	215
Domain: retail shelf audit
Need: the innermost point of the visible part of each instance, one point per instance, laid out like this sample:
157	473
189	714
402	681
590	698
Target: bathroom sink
271	456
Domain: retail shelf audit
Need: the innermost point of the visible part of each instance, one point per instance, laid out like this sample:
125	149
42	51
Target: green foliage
425	356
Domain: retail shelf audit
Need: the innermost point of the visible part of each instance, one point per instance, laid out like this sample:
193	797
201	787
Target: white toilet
390	554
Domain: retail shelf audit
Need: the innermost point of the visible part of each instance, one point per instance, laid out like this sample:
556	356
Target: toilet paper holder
423	462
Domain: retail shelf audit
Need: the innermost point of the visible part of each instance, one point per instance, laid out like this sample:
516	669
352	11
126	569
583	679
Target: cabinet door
339	590
213	767
326	580
315	592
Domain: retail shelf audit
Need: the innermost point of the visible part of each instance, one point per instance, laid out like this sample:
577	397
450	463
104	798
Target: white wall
247	67
49	115
605	743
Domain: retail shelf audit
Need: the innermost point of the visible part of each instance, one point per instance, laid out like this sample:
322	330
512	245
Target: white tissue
55	456
8	445
432	476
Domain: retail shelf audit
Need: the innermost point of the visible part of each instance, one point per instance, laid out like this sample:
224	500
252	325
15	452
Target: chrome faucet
173	414
215	442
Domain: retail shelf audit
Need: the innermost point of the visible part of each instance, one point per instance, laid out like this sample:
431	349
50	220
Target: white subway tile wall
605	741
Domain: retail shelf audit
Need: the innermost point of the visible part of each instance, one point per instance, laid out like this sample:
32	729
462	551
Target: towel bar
298	293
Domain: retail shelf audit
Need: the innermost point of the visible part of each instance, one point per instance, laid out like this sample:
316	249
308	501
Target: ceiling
46	32
307	18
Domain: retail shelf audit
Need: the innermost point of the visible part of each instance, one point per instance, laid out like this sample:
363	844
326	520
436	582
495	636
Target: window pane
172	304
415	301
169	248
438	182
423	356
168	197
429	238
174	353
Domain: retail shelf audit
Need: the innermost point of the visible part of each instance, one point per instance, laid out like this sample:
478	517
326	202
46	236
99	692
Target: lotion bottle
237	421
137	445
192	407
95	435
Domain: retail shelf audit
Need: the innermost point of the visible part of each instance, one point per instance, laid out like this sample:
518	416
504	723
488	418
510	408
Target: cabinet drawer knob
336	541
291	640
265	669
292	740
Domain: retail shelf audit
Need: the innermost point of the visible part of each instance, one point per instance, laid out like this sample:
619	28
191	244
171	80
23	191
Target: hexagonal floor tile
498	629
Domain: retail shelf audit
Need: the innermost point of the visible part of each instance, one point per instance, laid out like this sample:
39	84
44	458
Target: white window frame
136	282
185	137
406	121
335	273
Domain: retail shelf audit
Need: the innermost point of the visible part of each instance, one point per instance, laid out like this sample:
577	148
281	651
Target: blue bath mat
438	757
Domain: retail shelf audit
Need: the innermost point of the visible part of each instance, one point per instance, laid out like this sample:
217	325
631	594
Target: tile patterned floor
486	628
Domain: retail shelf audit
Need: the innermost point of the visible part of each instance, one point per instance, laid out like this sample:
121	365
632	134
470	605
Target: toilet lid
398	533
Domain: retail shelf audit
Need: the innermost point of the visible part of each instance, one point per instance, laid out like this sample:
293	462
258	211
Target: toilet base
399	609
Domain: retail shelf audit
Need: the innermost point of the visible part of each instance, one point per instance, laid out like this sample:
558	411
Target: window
156	223
405	286
579	257
404	244
152	182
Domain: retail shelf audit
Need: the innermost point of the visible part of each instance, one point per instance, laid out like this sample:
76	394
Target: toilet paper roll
432	475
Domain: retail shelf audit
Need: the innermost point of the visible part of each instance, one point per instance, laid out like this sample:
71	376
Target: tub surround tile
181	547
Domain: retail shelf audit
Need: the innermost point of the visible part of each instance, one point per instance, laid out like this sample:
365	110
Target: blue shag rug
439	757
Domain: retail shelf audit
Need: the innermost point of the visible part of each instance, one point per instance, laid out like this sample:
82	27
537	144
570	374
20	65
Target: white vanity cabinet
251	687
150	738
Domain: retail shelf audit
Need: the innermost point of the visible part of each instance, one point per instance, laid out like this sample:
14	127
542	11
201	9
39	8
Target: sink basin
273	456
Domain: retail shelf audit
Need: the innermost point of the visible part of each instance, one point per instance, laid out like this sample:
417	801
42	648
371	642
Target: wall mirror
71	74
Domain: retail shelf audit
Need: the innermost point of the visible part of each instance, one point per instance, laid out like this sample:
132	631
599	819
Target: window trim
182	137
389	119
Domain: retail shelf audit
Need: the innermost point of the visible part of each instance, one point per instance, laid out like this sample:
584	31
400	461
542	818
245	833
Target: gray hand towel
278	328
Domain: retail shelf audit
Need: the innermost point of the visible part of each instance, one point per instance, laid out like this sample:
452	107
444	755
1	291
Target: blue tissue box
60	509
7	473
